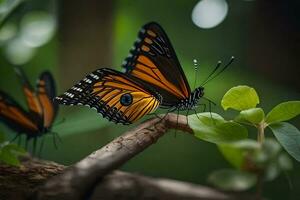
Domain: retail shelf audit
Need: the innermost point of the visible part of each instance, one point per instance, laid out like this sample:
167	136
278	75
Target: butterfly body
191	102
153	78
41	110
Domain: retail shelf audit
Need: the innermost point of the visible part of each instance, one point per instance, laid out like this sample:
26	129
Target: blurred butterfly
153	78
42	111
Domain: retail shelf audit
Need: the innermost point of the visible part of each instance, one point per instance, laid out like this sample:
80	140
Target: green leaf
240	98
236	152
213	128
233	180
283	112
289	137
14	148
252	115
9	154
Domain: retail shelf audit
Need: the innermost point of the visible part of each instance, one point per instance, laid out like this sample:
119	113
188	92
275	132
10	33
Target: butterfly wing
117	96
15	117
35	108
154	60
46	92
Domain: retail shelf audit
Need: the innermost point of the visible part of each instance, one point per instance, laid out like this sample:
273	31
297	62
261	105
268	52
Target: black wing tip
151	23
46	74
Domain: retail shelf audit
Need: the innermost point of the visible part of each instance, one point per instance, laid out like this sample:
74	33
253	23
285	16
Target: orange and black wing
34	106
15	117
117	96
46	92
154	61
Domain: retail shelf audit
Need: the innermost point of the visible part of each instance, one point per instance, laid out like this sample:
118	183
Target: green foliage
233	180
213	128
283	112
289	137
263	158
253	116
240	98
9	153
236	153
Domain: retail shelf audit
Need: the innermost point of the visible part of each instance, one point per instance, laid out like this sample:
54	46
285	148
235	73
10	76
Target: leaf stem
261	132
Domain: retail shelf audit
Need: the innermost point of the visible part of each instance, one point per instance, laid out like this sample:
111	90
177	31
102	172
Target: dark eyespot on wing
104	89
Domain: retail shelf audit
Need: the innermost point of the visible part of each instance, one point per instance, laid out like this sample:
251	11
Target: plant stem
261	133
259	186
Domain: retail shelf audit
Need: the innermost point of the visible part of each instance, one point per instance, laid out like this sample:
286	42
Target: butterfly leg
34	145
60	122
195	111
41	146
54	141
187	117
204	106
57	136
161	119
175	133
16	137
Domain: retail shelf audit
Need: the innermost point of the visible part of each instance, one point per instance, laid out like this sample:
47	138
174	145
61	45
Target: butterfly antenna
213	76
196	69
213	71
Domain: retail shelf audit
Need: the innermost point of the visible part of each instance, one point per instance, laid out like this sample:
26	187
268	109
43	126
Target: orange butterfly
153	78
42	110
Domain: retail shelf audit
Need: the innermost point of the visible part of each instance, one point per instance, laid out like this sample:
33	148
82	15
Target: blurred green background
72	38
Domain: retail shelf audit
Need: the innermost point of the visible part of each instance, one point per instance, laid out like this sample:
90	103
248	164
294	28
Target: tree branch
126	186
76	182
92	178
21	182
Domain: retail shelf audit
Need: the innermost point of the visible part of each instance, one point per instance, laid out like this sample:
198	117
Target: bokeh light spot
18	52
209	13
37	28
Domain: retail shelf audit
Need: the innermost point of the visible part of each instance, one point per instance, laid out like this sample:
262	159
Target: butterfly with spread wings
42	110
153	78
